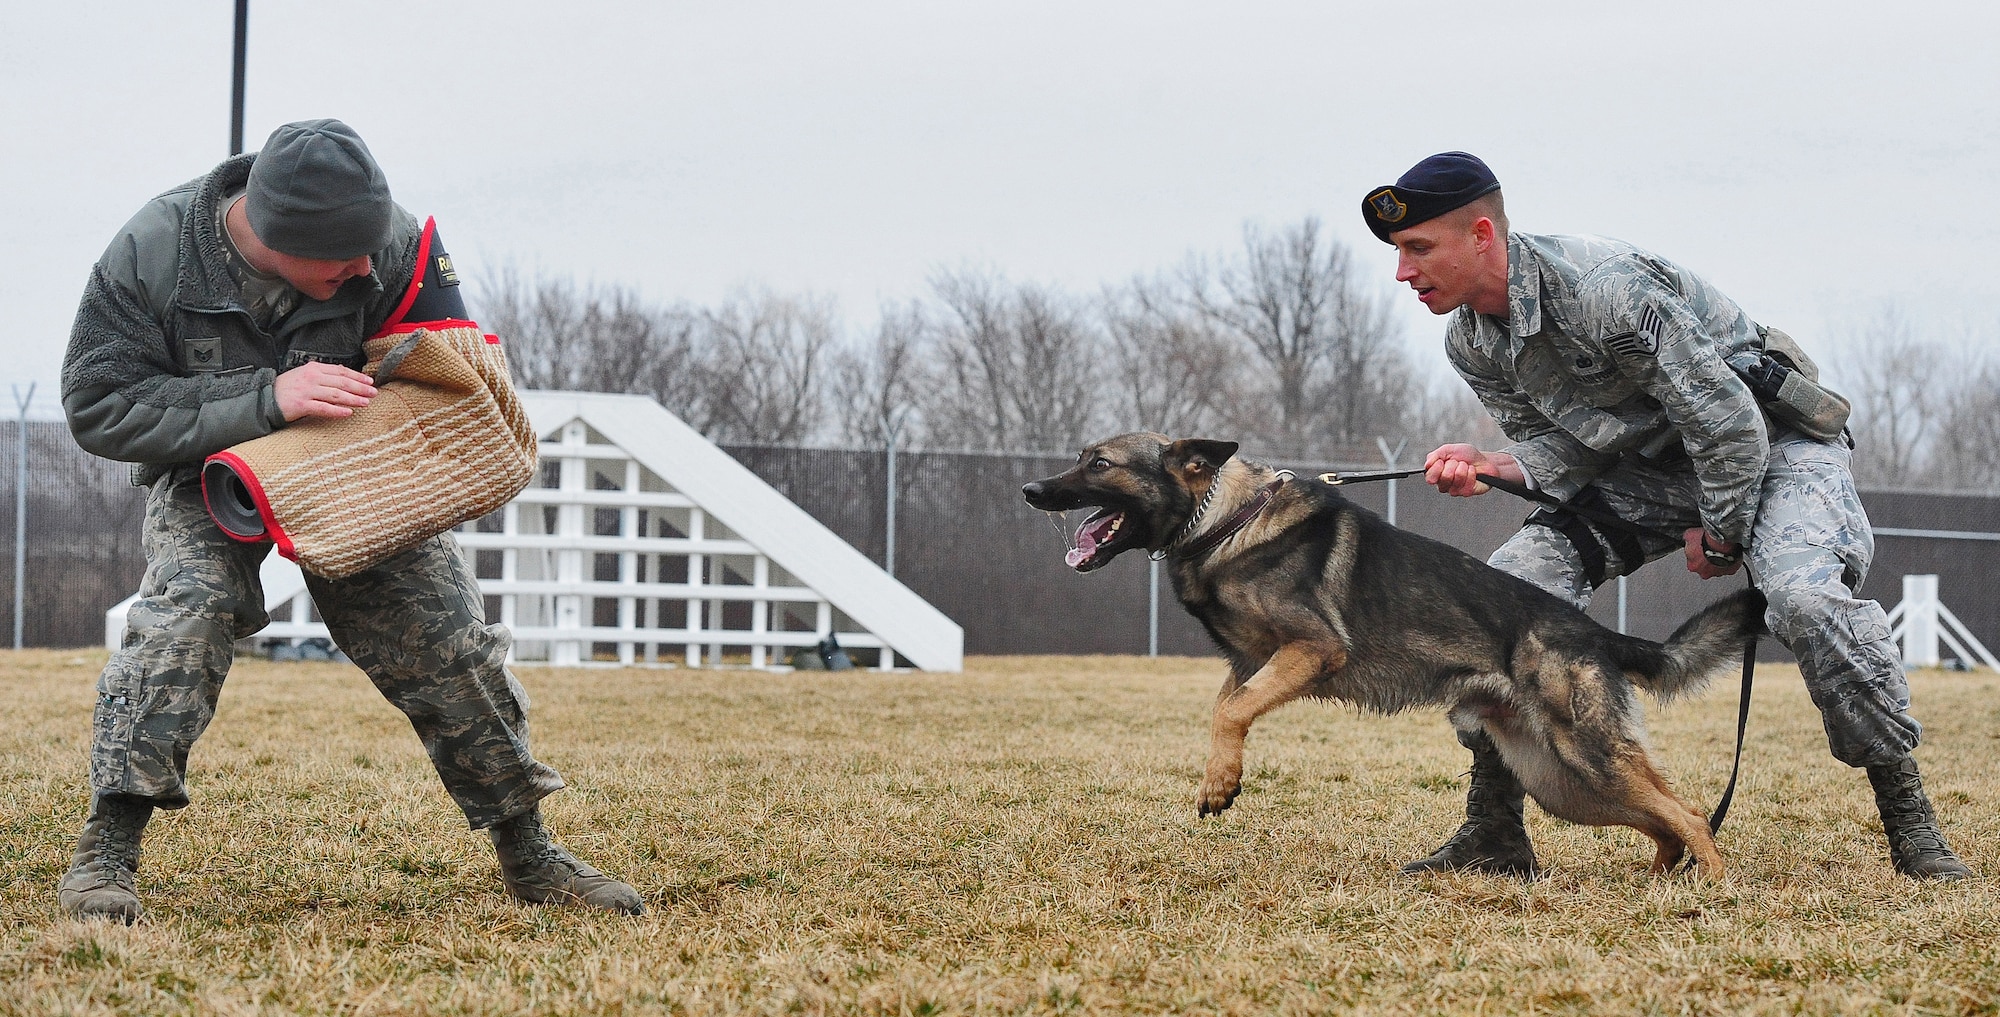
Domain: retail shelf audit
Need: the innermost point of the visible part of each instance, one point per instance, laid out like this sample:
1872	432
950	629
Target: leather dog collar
1229	526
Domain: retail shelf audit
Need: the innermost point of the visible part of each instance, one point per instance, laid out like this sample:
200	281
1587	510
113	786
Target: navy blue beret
1431	188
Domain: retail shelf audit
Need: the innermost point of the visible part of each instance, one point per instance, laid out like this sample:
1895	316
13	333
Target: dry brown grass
1017	839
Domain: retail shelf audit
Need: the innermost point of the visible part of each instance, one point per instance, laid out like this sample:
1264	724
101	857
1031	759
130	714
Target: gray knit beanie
316	192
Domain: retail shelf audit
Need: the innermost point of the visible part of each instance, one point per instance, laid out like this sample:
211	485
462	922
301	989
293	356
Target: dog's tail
1703	645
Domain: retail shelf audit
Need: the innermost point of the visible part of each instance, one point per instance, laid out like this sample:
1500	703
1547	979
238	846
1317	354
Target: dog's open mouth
1097	541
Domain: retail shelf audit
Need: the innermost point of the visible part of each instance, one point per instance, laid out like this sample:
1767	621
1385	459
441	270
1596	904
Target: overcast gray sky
1818	161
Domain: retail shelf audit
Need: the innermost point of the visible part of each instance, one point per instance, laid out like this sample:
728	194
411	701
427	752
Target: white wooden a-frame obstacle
641	542
1922	620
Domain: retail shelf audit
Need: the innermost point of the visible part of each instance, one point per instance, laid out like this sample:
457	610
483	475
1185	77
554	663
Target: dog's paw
1218	792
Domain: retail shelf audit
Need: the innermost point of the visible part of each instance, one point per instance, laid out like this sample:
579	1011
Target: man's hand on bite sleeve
322	390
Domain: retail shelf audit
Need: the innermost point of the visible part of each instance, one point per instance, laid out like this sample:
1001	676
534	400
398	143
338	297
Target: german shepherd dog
1309	595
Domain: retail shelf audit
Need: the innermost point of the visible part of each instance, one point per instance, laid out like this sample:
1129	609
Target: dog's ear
1200	453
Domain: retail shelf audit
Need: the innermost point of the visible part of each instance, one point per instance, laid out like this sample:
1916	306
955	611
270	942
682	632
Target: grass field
1016	839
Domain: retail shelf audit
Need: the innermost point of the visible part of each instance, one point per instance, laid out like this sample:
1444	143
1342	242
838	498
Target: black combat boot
1494	838
100	883
538	871
1916	845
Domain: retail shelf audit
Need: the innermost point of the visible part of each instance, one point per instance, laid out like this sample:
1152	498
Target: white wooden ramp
641	542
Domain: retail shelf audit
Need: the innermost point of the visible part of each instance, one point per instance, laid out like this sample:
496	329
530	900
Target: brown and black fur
1317	597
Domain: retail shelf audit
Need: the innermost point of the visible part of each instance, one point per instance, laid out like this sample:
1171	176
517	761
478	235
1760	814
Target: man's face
1440	260
319	278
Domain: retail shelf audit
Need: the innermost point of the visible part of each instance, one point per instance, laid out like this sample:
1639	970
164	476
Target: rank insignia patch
446	274
1643	341
1386	207
203	354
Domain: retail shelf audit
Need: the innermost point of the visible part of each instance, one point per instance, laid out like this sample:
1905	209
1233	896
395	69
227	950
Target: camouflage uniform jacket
1610	351
165	365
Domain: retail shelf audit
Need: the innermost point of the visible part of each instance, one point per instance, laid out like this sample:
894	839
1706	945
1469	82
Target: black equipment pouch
1786	384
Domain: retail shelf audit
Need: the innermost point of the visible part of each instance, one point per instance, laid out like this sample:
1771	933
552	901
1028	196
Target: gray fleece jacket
165	366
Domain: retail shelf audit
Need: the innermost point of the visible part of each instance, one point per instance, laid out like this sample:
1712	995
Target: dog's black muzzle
1050	496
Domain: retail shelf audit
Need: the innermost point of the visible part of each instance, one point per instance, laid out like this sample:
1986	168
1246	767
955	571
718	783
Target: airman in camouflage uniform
1621	380
225	309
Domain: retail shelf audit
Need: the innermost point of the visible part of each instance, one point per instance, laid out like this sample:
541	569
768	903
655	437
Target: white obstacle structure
1922	620
641	542
285	599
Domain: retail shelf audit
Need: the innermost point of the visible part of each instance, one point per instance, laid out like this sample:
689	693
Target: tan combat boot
100	882
538	871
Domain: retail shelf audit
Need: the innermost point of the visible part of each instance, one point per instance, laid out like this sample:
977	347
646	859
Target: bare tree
1369	388
539	324
1968	457
603	339
1013	367
871	382
1447	411
1295	300
1892	378
1175	372
765	359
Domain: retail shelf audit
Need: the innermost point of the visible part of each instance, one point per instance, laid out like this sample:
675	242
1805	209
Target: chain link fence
82	549
967	543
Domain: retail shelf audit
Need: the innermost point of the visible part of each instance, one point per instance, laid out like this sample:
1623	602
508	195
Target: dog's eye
1100	463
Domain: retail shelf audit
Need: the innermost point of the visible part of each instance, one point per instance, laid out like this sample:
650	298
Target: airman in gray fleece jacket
228	307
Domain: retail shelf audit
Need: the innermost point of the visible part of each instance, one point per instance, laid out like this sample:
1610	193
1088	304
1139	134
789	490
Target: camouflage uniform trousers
415	624
1809	552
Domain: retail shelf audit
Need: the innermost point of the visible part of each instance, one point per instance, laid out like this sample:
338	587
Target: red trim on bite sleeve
416	281
272	531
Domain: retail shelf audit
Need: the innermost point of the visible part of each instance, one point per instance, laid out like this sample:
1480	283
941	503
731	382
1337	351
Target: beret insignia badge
1386	207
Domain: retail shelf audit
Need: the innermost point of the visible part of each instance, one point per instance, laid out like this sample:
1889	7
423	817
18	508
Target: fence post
1153	607
892	426
1389	460
21	507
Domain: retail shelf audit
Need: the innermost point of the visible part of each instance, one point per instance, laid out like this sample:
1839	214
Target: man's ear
1200	453
1484	232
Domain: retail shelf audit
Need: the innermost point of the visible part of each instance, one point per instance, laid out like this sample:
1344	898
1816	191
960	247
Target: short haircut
1493	207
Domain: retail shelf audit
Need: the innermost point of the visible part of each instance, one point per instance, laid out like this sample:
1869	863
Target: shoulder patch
203	354
1643	341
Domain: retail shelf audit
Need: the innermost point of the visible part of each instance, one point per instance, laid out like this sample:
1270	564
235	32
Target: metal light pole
236	84
1389	458
21	508
892	428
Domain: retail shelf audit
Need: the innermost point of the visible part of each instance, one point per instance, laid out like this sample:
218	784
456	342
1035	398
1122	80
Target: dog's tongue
1088	537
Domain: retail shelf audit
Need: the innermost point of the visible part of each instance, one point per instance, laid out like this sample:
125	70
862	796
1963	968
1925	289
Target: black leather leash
1612	521
1742	723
